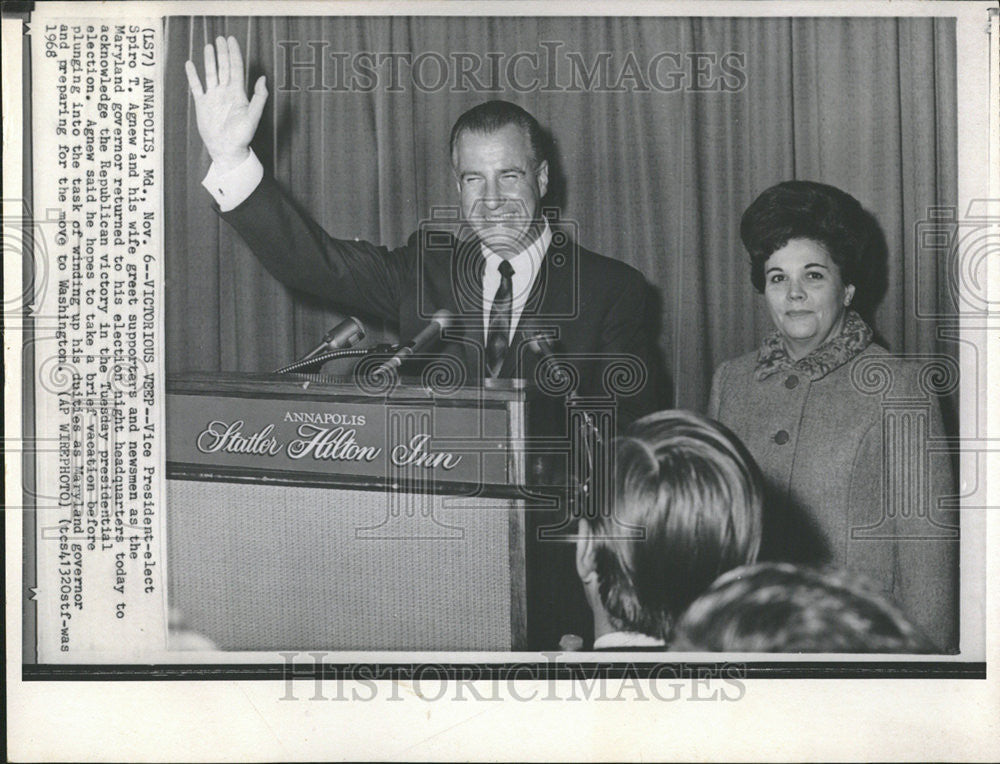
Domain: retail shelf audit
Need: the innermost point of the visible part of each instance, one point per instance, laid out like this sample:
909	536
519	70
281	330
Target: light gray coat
850	478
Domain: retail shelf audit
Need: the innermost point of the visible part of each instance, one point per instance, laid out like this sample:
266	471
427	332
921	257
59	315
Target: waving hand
226	120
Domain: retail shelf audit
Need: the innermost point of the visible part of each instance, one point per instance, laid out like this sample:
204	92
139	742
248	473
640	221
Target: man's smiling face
500	186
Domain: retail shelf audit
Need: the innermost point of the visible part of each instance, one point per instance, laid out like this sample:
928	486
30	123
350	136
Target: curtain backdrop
656	179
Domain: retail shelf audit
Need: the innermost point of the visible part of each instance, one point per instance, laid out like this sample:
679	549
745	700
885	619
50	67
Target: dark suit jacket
595	305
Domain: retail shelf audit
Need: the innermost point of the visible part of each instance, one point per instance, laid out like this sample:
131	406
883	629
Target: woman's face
805	295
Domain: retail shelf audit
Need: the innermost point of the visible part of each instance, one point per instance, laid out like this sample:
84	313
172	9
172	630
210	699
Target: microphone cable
331	355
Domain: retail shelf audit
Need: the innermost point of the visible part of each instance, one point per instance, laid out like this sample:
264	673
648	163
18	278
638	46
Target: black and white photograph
753	187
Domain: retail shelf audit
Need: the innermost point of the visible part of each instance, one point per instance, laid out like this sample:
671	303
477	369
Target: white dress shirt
230	189
526	265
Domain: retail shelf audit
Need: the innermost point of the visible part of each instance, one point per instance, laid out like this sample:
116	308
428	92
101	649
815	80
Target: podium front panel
285	567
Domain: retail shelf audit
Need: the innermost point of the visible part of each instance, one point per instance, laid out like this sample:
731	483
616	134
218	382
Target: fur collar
854	337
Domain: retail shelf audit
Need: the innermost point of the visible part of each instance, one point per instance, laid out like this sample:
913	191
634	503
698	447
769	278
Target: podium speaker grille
256	567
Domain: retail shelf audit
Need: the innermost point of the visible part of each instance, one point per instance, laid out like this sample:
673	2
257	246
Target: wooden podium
307	512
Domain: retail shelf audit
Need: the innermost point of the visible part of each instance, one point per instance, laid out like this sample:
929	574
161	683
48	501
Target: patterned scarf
855	336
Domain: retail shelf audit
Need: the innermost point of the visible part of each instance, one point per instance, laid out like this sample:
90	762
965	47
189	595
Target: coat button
792	382
781	437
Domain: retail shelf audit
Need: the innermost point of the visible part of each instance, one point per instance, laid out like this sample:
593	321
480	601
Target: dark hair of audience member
779	607
692	493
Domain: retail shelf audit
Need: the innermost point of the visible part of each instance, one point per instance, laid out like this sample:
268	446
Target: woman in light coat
840	428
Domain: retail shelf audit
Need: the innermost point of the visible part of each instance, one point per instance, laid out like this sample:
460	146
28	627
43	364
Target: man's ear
542	173
586	563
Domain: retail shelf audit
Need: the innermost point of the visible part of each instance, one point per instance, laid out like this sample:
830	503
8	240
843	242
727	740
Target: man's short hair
491	116
692	490
779	607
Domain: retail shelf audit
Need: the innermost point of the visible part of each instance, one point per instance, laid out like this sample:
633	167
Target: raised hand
226	120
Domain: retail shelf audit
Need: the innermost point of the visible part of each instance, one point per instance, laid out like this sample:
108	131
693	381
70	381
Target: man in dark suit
594	307
510	278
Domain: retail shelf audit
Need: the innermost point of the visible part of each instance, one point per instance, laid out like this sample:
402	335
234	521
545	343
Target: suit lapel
467	294
547	299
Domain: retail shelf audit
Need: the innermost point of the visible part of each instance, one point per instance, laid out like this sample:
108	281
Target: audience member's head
778	607
687	507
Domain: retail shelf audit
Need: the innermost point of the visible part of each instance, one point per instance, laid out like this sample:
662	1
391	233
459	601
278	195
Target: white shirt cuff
231	189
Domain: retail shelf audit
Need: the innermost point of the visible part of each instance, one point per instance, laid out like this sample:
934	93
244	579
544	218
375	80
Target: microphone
428	335
347	333
542	345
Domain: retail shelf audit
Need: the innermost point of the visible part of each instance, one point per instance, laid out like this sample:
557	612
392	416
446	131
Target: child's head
687	507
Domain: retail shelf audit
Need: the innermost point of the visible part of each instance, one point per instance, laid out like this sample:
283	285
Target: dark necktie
498	336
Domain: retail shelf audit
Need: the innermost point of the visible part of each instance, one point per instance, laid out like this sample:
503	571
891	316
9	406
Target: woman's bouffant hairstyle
687	507
802	209
779	607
